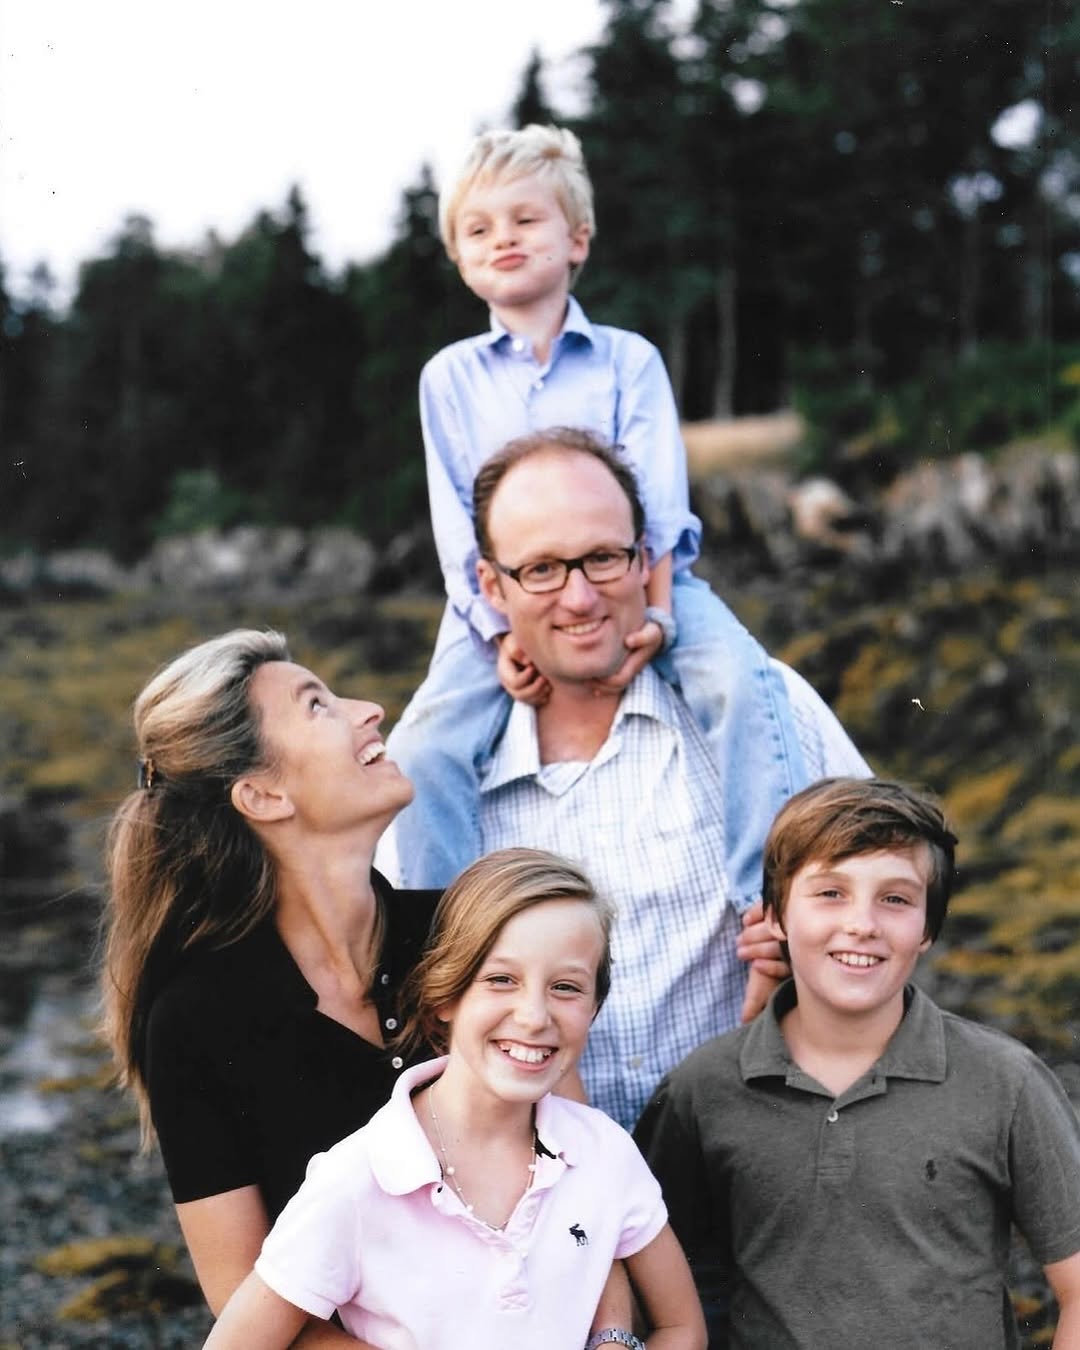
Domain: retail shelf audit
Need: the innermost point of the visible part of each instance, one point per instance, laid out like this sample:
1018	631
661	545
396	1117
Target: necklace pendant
450	1171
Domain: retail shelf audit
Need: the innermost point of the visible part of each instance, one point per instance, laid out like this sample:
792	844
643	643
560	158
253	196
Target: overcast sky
198	115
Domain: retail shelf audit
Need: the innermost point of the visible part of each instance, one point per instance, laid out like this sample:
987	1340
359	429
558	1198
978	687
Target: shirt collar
552	1115
916	1049
517	753
575	323
261	964
402	1160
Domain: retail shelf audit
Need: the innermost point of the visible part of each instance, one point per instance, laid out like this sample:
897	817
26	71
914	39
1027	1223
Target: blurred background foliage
865	209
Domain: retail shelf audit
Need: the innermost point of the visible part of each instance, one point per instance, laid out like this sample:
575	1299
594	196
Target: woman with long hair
253	958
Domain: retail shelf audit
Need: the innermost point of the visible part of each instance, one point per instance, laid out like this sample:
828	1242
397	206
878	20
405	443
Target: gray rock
339	559
248	557
85	571
20	573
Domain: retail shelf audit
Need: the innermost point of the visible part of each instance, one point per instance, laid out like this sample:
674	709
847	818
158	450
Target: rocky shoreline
91	1254
1020	507
970	683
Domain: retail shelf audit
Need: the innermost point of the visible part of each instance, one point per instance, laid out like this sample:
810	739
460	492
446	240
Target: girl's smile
522	1022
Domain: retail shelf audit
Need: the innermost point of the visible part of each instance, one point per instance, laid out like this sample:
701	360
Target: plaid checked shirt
642	817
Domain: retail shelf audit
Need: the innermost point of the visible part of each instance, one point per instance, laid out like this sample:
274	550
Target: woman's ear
259	800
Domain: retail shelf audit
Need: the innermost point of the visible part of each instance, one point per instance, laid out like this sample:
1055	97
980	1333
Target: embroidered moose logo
579	1235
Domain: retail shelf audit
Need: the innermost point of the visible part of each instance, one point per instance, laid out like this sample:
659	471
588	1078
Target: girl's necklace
450	1172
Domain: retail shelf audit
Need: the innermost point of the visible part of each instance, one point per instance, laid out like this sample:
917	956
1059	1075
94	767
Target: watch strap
614	1336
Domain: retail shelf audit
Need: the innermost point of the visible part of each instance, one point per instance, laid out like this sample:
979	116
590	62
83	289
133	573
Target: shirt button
517	345
833	1116
539	384
396	1062
391	1024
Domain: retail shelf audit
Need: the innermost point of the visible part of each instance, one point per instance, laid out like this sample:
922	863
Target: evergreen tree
530	105
29	333
289	343
412	303
646	272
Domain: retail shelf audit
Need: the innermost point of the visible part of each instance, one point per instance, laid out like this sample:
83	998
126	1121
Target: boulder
736	444
339	559
248	557
84	571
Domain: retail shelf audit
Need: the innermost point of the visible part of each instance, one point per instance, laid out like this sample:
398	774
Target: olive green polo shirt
879	1218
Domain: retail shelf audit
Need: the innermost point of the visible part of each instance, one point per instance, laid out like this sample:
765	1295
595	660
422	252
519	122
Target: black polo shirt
247	1080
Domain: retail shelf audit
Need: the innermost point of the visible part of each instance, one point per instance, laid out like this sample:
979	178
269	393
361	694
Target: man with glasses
623	781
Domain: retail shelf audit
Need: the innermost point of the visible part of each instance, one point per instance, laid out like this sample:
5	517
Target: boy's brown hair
837	818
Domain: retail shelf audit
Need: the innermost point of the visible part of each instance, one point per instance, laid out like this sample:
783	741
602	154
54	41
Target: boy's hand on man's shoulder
758	945
642	646
518	676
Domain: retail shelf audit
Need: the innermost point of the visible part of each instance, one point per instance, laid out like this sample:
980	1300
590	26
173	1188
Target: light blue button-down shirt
477	394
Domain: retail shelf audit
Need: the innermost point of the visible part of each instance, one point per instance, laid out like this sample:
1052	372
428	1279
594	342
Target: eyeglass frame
630	552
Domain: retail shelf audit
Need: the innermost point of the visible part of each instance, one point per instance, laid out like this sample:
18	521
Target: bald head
538	443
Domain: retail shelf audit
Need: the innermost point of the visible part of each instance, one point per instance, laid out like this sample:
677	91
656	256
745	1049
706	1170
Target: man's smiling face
564	504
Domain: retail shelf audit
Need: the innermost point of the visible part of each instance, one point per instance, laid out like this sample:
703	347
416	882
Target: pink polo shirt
374	1233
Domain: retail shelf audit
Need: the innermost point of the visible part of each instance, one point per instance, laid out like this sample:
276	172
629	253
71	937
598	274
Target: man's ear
260	801
490	585
643	554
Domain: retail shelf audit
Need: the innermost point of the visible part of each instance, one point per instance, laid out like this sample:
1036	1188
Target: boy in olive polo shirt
846	1169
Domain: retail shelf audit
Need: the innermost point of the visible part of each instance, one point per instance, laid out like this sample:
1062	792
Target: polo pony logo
579	1235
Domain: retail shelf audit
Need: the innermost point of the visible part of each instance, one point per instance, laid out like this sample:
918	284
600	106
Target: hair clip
146	774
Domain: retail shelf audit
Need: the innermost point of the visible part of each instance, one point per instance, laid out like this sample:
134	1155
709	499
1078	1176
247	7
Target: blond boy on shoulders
519	223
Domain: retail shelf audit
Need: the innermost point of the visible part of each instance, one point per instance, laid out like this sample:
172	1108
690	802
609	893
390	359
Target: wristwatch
614	1336
666	624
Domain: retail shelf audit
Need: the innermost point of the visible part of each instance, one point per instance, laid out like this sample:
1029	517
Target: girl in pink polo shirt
479	1207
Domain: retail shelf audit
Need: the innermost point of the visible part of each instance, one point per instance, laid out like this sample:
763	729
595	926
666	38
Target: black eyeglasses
552	574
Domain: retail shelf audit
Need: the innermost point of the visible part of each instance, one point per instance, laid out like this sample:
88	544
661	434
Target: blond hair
553	154
468	920
184	866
